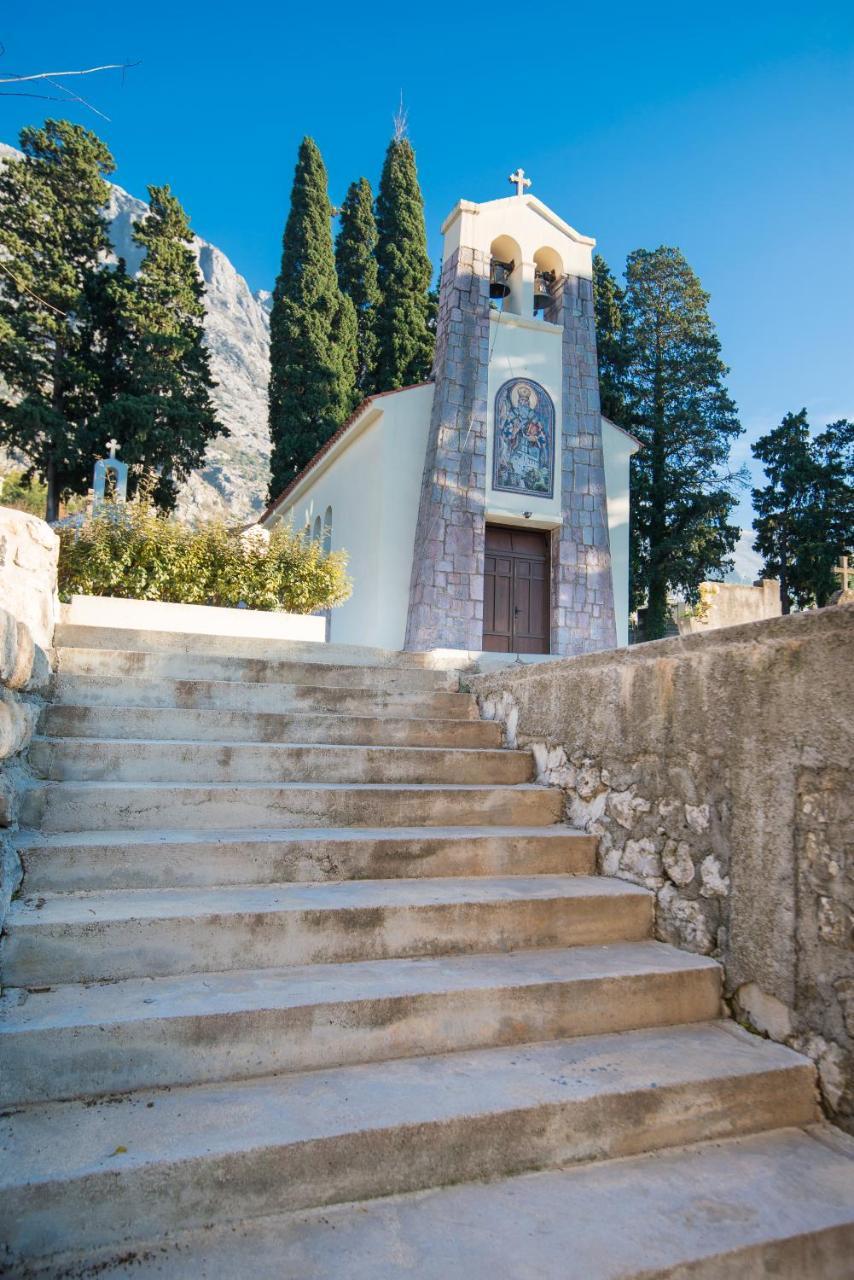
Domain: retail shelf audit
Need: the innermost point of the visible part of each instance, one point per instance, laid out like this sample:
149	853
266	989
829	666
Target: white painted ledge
195	619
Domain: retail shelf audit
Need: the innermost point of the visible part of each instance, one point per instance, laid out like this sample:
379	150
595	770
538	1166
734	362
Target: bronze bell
543	282
499	278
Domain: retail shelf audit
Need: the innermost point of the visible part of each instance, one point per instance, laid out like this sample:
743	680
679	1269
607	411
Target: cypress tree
355	260
312	330
678	406
53	238
805	511
607	308
403	324
154	354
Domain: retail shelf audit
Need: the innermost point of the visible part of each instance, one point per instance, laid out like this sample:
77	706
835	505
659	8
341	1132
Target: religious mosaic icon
523	441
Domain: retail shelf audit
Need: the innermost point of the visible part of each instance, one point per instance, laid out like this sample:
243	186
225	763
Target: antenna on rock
401	121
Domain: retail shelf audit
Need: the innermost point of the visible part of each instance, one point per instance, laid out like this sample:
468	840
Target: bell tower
515	440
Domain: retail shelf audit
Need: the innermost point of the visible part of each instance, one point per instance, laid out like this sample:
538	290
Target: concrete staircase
310	981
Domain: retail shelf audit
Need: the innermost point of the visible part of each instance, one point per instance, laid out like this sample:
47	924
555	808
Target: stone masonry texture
446	589
582	589
716	770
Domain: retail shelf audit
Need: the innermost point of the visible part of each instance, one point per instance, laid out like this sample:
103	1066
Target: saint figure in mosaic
523	443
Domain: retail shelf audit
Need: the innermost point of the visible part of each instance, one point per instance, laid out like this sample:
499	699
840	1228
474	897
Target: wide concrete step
173	665
74	1174
121	760
236	695
63	863
100	806
777	1204
75	1041
147	933
183	723
86	636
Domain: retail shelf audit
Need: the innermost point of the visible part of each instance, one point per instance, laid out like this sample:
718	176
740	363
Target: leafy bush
136	553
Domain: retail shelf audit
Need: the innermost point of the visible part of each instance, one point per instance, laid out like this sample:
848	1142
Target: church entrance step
81	1175
80	1041
96	937
205	666
83	636
259	726
771	1204
93	860
236	695
99	806
120	760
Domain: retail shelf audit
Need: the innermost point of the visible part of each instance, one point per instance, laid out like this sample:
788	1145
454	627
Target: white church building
486	509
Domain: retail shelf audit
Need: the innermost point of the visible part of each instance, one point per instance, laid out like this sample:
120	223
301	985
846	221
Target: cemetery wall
29	550
716	770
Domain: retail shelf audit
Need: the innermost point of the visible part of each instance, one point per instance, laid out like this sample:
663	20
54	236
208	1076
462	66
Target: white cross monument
520	181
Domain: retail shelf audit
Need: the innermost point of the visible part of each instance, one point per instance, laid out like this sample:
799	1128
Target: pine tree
607	306
53	236
355	260
678	406
312	330
805	511
154	358
403	324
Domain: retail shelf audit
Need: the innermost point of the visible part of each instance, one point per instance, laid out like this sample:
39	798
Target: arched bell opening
548	274
505	275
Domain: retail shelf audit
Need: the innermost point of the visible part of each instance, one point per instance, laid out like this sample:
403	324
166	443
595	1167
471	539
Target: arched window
505	275
548	273
327	531
318	525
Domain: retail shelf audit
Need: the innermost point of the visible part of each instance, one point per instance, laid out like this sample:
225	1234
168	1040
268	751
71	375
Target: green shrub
136	553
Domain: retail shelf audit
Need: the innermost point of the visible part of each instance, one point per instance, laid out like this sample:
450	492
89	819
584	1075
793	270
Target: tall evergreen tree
312	330
355	260
805	511
607	307
403	324
154	356
53	236
678	406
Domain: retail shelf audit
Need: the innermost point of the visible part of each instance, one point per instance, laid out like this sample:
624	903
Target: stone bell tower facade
515	440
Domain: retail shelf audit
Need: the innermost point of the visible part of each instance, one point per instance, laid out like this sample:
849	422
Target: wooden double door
516	590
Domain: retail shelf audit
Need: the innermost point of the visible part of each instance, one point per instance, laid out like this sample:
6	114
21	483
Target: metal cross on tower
520	181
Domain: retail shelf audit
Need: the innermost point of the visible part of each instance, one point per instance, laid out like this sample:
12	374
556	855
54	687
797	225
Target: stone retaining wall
717	770
29	550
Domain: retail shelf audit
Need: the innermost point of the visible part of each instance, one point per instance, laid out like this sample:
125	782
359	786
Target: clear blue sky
726	130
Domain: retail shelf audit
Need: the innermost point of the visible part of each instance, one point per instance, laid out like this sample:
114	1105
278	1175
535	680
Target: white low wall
197	619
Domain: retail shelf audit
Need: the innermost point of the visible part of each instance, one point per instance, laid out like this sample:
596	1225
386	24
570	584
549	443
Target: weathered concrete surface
219	725
78	1175
99	937
119	760
75	1041
717	771
776	1204
730	604
74	862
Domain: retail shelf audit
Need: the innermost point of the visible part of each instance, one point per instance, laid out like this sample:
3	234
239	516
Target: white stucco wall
372	481
617	448
523	348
